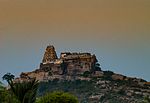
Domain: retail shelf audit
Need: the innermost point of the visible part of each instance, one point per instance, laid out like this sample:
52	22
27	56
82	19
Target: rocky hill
80	74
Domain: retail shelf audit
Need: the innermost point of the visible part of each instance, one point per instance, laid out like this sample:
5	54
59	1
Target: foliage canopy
58	97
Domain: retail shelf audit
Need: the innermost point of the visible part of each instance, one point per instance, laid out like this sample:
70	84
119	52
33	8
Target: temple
68	63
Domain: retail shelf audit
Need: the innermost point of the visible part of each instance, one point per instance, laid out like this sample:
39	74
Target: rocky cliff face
102	87
97	87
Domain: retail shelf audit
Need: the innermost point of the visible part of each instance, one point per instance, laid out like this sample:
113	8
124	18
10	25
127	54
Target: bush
86	74
108	73
6	96
57	97
121	92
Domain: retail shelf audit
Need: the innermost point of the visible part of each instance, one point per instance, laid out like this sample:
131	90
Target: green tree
24	92
1	86
5	95
9	78
146	100
86	74
58	97
95	65
1	93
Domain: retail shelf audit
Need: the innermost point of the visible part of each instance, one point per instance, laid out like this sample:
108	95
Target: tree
146	100
5	95
86	74
9	78
1	92
1	86
24	92
58	97
95	65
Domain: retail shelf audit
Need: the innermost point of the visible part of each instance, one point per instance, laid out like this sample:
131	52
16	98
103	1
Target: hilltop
81	74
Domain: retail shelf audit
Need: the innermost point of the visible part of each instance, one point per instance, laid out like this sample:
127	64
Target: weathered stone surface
98	74
68	63
95	98
138	93
117	77
50	54
129	94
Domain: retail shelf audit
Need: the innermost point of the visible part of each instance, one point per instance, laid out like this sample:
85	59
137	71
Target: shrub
57	97
86	74
146	100
121	92
97	67
108	73
6	96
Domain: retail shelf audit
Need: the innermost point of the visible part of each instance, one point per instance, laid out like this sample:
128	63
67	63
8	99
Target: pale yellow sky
75	16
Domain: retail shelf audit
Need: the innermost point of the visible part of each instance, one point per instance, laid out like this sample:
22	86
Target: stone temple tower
50	54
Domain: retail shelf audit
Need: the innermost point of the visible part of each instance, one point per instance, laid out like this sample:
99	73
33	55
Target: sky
116	31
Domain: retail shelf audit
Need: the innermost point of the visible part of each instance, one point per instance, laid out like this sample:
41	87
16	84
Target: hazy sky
117	31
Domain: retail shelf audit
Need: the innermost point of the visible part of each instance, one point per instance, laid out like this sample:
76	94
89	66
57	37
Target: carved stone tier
50	54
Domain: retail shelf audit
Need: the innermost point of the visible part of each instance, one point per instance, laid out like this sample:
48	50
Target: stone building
68	63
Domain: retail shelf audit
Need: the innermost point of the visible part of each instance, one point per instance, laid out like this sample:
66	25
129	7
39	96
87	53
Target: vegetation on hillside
146	100
26	92
82	91
57	97
6	96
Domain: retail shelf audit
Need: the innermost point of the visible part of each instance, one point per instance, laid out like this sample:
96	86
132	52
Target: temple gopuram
69	66
67	63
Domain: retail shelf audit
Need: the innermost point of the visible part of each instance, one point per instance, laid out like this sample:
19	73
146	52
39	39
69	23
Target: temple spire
50	54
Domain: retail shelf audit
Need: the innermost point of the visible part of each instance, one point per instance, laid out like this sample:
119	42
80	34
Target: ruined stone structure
68	63
69	66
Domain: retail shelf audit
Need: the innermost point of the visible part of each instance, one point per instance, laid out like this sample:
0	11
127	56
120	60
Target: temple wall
76	63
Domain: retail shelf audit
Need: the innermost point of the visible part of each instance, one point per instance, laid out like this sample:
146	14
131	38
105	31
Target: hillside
81	75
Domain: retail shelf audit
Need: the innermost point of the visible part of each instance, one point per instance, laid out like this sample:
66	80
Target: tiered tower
50	54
